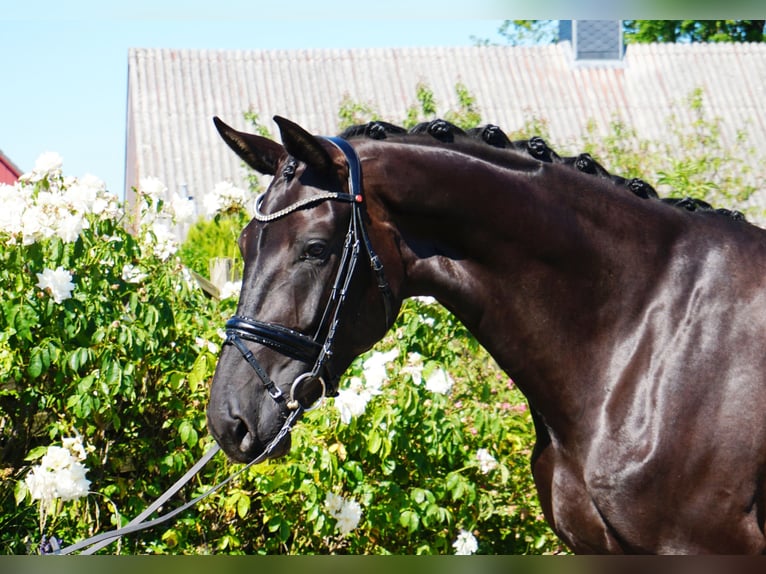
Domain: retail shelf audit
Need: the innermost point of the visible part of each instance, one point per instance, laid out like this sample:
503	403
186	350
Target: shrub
102	339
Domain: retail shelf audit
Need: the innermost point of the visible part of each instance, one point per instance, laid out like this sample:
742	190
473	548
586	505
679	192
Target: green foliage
425	109
114	363
216	237
467	115
353	113
694	31
525	32
707	169
693	162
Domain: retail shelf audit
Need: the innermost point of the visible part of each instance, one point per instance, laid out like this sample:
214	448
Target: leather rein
289	342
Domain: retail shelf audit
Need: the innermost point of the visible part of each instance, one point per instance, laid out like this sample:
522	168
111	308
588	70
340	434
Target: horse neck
530	257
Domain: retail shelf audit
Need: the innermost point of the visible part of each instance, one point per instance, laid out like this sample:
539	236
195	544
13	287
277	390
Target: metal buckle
293	403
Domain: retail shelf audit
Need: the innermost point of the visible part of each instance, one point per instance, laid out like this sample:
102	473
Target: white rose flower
439	381
14	203
487	462
48	163
425	299
153	188
60	473
346	513
69	226
465	543
352	401
93	182
132	274
348	517
333	503
37	223
81	195
183	209
209	345
72	483
414	367
74	446
212	204
230	289
225	196
161	240
375	369
40	484
58	282
56	458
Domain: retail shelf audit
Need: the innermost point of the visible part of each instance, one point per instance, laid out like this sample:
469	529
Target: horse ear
262	154
303	146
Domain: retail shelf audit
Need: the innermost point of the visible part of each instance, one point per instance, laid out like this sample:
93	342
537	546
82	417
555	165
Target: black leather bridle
297	345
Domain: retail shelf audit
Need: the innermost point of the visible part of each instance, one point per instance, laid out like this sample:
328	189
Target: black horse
635	329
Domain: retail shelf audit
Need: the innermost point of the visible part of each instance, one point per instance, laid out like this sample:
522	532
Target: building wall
9	173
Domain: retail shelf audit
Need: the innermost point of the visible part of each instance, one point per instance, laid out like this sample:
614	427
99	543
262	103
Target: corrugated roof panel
173	94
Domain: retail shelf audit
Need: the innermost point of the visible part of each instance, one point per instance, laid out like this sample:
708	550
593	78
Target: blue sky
65	72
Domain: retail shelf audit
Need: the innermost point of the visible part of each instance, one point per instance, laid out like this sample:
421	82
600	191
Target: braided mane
492	135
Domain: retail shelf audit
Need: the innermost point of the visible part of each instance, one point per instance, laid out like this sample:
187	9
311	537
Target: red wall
9	173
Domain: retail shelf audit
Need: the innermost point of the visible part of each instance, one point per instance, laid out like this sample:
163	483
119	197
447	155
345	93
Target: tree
518	32
643	31
525	32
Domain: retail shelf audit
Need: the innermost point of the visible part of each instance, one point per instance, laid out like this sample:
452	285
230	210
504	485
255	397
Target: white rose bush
97	329
105	338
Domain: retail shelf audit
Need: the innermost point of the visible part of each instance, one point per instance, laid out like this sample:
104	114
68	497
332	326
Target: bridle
291	343
295	344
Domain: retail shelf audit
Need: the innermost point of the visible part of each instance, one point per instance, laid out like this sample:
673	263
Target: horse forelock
485	140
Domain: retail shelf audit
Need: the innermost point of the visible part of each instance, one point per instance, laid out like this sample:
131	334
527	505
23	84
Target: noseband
295	344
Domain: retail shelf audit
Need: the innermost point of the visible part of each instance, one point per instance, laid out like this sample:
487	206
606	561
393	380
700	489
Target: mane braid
376	130
536	147
442	130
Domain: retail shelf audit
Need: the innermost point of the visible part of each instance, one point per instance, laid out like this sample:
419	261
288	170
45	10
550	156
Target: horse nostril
240	431
243	437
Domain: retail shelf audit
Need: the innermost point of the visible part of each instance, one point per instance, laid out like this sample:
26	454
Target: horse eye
315	249
289	170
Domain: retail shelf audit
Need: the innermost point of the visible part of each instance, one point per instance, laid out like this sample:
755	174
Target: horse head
300	292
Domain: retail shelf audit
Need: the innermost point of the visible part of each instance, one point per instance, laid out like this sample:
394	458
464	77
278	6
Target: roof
173	95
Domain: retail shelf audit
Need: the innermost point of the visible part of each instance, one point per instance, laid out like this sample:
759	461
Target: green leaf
171	538
373	442
409	520
274	523
24	318
188	433
113	373
151	317
20	492
418	495
78	358
243	505
35	367
36	453
198	373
